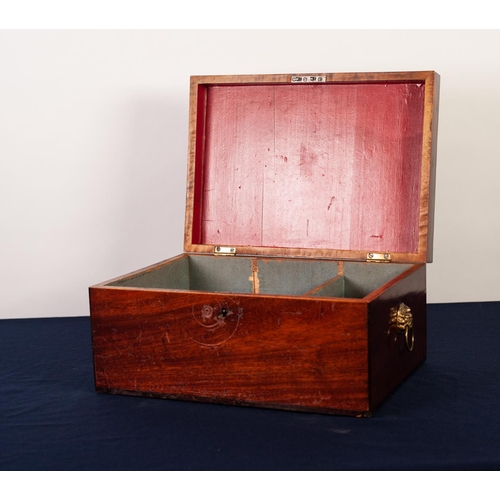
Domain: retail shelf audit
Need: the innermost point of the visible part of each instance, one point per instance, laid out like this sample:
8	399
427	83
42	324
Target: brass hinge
224	250
378	257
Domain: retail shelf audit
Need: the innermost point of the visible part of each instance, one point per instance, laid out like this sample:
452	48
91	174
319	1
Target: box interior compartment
302	277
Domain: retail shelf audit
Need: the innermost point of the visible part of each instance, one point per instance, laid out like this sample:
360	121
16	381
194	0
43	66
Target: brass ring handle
401	322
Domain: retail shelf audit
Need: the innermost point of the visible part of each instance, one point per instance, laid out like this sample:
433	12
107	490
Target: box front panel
263	351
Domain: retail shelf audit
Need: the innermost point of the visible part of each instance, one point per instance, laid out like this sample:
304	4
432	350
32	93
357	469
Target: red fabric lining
311	166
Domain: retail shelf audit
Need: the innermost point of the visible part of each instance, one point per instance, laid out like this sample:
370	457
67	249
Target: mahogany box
309	222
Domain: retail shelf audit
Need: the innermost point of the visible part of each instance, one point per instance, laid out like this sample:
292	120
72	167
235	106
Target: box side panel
301	354
393	353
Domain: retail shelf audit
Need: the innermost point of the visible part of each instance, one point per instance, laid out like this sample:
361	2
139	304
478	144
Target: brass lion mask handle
401	323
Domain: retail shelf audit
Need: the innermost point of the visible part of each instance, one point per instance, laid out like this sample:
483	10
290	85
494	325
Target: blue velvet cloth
446	416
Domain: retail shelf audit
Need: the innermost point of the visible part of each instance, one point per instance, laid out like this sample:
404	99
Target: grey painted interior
294	277
174	275
362	278
276	276
220	274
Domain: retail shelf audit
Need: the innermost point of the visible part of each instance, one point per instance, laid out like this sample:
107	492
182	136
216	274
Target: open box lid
334	165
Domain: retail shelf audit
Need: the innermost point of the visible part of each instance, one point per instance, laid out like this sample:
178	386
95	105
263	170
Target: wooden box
308	228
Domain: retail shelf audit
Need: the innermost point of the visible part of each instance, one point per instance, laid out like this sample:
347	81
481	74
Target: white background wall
93	143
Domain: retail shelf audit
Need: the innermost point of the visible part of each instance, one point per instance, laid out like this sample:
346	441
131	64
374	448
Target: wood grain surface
312	354
254	350
392	362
